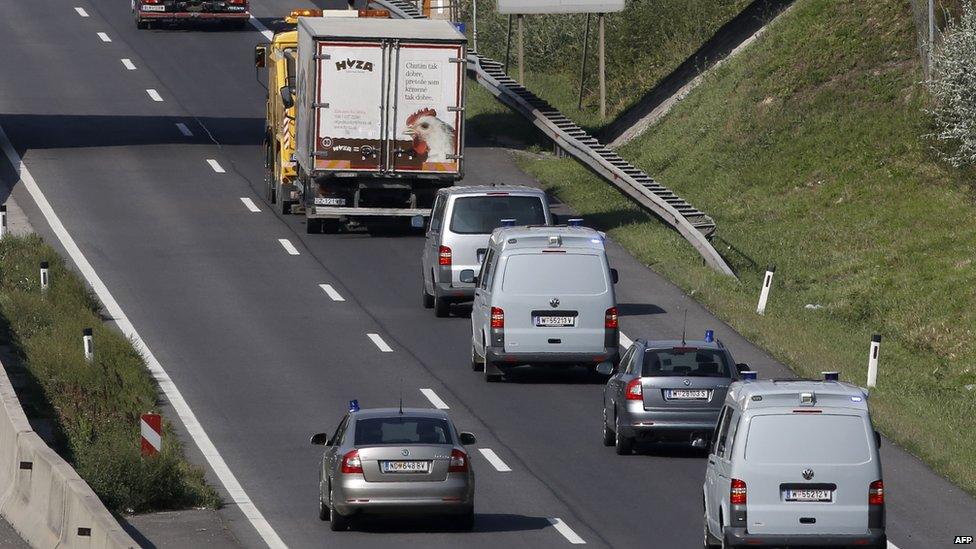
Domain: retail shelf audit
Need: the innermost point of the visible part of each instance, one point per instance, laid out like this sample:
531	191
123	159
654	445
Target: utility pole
586	42
474	23
931	35
603	68
521	48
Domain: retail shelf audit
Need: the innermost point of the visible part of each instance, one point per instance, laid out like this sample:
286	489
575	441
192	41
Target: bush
953	86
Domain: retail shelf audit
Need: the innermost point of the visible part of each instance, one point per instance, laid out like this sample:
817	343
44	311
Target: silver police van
544	296
794	463
457	237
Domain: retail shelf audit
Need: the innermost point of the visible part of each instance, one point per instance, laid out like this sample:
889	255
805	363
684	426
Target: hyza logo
963	540
354	64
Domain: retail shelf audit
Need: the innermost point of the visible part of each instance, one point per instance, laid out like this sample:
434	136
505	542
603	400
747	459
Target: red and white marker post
151	426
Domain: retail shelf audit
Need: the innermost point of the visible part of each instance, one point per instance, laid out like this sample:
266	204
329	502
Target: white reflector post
89	344
44	275
764	293
3	220
873	360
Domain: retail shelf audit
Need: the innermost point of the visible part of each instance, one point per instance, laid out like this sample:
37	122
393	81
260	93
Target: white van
544	296
794	463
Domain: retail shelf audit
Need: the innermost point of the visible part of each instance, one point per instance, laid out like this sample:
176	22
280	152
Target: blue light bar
508	222
709	336
750	375
831	376
575	222
353	405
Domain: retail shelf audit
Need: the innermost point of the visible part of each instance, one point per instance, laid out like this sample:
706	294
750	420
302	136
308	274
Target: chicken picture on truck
374	109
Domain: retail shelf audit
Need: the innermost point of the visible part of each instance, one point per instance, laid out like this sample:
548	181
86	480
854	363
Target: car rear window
483	214
808	439
402	430
686	363
555	274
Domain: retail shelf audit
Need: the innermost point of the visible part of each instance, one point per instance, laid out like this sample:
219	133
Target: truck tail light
351	463
876	493
444	256
459	462
151	1
497	317
610	320
237	2
737	494
634	391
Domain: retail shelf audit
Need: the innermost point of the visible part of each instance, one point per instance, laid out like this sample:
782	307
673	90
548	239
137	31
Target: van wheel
709	542
624	445
609	437
428	299
490	377
475	364
442	307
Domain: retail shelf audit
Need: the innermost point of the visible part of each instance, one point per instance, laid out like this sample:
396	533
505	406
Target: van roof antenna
684	326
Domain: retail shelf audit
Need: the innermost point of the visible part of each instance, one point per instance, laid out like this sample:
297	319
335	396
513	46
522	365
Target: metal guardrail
694	225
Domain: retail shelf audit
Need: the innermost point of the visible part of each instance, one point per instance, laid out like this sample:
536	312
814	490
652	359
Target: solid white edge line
494	460
183	129
625	341
892	545
128	64
288	246
566	531
215	165
189	419
154	95
249	204
268	35
104	37
378	341
332	293
81	12
434	399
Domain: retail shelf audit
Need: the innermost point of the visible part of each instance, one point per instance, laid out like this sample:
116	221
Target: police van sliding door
349	106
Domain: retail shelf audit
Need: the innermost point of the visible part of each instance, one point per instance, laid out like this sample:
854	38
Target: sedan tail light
610	321
351	463
497	317
459	462
444	256
634	391
737	494
876	493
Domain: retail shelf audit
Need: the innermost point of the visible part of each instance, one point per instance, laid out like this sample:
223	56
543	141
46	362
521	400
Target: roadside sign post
151	431
3	220
873	361
44	275
89	344
764	293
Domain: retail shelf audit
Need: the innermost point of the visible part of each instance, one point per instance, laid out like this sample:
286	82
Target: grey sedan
390	461
667	391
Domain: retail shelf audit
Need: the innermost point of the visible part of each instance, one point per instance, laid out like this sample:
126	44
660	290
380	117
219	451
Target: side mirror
260	56
605	368
287	96
467	276
467	439
614	275
742	367
320	439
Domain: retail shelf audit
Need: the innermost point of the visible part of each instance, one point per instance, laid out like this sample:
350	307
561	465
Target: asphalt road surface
264	357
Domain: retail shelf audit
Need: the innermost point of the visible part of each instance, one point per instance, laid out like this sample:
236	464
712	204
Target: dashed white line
154	95
268	35
249	204
378	341
104	37
81	12
172	392
215	165
128	64
566	531
434	399
183	129
625	341
288	246
494	460
892	545
332	293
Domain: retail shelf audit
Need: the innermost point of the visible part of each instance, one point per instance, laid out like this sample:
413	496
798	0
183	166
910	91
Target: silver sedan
390	461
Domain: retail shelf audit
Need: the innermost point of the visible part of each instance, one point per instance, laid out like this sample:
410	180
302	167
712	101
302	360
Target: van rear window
555	274
808	439
483	214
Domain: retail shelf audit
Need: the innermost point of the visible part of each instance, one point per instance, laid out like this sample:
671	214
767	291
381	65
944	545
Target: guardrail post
44	275
873	360
89	343
151	434
764	293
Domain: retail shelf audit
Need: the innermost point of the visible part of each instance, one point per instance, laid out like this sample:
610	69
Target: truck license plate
808	495
555	321
687	394
147	7
405	466
329	201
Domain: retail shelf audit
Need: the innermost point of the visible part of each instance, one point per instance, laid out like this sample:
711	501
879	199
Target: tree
953	86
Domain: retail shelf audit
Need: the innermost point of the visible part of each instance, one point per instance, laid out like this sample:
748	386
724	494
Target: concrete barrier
41	495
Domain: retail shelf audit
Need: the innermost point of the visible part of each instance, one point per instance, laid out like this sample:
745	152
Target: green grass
807	151
96	406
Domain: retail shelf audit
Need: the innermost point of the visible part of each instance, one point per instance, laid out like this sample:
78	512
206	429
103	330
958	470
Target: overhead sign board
559	6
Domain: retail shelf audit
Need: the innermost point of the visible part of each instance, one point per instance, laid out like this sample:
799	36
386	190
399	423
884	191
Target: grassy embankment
96	406
808	150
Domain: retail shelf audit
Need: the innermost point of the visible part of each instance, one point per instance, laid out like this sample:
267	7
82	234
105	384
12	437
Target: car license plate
405	466
808	495
147	7
688	394
555	321
328	201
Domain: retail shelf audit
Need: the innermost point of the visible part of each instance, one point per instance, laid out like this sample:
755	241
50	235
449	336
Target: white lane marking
566	531
128	64
327	288
189	419
104	37
625	341
154	95
249	204
288	246
215	165
268	35
494	460
892	545
81	12
434	399
378	341
183	129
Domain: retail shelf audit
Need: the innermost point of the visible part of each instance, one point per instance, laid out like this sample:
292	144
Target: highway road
147	146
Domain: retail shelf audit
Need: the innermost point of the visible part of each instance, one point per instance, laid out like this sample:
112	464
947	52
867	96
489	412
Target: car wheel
476	364
141	25
338	522
624	445
323	510
442	307
428	299
466	521
609	437
490	376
